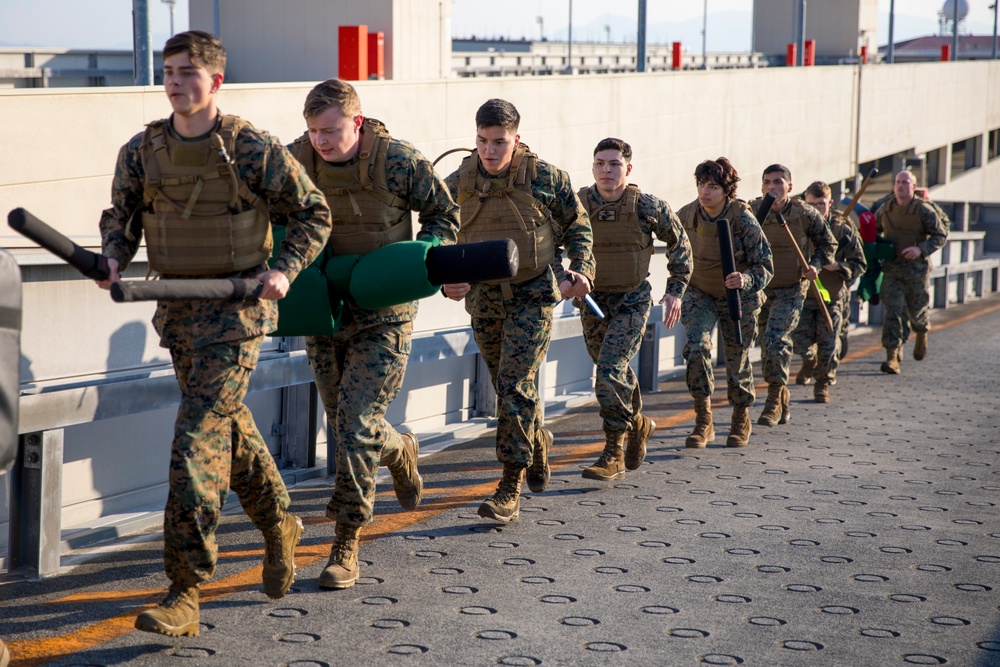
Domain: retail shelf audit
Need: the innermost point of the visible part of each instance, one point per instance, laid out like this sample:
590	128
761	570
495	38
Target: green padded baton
310	308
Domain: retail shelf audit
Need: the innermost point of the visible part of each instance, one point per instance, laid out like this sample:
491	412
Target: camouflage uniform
513	333
812	329
700	312
215	346
359	369
905	292
613	341
780	313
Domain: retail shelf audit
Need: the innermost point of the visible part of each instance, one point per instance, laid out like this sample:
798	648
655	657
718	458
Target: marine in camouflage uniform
372	182
819	346
786	292
705	303
214	344
505	191
917	230
624	222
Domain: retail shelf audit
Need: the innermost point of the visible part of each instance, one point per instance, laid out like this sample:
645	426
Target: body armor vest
787	268
705	250
902	225
833	281
199	224
502	208
622	249
365	215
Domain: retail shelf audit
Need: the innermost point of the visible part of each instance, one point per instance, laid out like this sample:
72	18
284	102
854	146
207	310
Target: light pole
569	60
171	3
892	23
541	27
704	36
996	8
607	31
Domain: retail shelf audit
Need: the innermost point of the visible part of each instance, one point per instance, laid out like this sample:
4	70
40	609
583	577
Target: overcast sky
108	23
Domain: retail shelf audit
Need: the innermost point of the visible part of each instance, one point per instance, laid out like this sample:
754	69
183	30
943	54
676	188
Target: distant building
25	67
928	49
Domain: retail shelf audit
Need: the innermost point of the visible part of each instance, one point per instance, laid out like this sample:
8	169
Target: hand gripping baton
729	266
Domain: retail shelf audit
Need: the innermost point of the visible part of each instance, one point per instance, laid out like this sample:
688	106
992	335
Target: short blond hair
332	94
820	190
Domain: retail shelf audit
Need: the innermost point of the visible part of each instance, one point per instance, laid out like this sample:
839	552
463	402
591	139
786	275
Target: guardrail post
36	503
649	359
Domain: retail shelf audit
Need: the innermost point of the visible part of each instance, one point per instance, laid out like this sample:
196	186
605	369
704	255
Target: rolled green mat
392	275
310	308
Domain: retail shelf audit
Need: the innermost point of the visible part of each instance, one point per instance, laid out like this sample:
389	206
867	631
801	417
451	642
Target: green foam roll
392	275
310	307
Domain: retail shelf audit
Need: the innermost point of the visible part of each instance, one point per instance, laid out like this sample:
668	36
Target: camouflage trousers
905	295
699	314
216	447
812	330
778	318
611	343
513	349
358	374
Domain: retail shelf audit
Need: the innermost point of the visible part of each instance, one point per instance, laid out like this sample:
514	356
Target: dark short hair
613	144
201	46
785	171
819	189
722	172
497	112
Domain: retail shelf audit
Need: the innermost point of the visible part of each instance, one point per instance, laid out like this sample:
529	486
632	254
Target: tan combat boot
406	480
635	448
176	615
805	375
341	570
611	464
891	363
279	556
821	394
538	472
739	431
920	346
772	406
505	504
704	429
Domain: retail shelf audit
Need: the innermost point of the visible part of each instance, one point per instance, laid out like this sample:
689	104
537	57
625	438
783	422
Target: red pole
790	55
676	62
945	52
864	54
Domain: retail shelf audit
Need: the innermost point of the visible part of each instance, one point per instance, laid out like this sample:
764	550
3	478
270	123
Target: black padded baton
90	264
729	266
765	207
472	262
186	290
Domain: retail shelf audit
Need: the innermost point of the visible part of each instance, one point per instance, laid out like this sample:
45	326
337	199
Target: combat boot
279	556
739	431
406	480
505	504
805	375
786	397
821	394
176	615
772	406
891	363
635	448
704	429
341	570
611	464
538	472
920	346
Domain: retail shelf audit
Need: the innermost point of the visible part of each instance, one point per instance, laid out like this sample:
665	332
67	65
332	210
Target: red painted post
864	55
809	53
945	52
790	55
352	54
376	55
675	61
